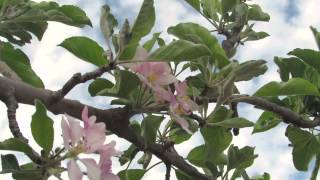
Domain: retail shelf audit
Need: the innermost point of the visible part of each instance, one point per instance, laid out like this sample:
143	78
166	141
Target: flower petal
183	123
66	134
95	137
93	169
74	171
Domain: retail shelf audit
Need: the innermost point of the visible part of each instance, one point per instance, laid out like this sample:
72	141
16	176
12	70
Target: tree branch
287	114
78	78
116	120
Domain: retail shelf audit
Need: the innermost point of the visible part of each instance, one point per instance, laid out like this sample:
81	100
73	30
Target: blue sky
289	29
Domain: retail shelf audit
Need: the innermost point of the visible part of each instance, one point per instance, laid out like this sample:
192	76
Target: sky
288	29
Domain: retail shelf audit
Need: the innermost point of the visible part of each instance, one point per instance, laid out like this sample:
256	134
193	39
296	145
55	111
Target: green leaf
200	35
178	135
107	22
194	3
316	35
180	50
234	123
249	69
255	13
305	147
14	144
254	36
150	126
197	156
149	44
265	176
182	176
20	64
42	127
126	83
128	154
266	121
211	8
9	163
144	22
309	56
29	171
217	139
77	15
295	86
145	159
240	158
85	49
228	5
131	174
220	115
290	66
98	85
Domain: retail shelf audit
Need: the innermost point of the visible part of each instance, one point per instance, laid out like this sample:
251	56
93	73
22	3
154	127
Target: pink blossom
72	132
94	133
102	171
91	137
153	74
183	99
74	171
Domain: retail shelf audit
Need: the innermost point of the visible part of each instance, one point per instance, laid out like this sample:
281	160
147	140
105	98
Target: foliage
145	81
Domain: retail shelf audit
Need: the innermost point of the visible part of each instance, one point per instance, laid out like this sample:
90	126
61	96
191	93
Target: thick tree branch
287	114
116	120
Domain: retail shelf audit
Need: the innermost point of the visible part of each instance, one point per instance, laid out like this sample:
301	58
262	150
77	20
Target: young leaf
211	8
266	121
240	158
9	163
144	22
305	147
234	123
182	176
42	127
14	144
254	36
309	56
85	49
316	35
255	13
180	50
131	174
149	44
290	66
107	22
98	85
295	86
197	156
217	139
200	35
20	64
126	83
150	126
228	5
194	3
249	69
77	15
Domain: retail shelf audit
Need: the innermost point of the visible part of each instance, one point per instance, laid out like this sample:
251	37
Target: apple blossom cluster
88	139
158	76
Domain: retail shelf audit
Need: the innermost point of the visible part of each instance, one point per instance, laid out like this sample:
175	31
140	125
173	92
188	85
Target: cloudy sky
289	29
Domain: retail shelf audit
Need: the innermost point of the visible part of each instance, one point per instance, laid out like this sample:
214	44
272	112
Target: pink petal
166	79
141	54
110	176
93	169
183	123
85	118
181	88
66	134
75	129
166	95
95	137
74	171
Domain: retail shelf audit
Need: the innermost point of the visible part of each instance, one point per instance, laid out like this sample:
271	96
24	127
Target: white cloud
55	65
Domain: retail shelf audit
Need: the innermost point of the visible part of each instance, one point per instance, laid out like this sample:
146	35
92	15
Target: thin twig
78	78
